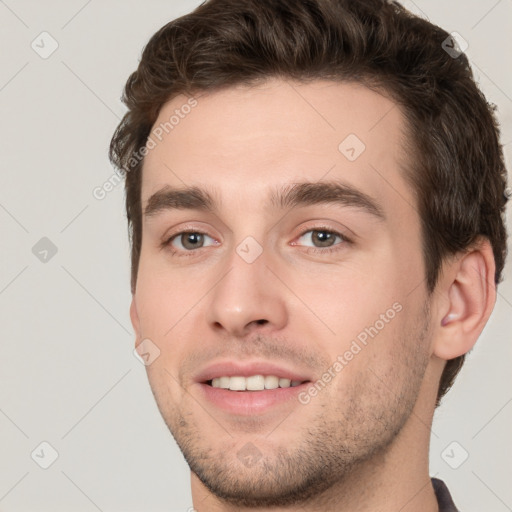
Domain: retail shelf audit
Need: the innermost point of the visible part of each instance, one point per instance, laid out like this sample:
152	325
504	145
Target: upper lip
246	369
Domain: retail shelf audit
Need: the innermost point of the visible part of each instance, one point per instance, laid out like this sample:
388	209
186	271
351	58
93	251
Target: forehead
242	142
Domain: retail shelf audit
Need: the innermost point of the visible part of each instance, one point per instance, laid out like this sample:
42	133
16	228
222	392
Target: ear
134	317
468	295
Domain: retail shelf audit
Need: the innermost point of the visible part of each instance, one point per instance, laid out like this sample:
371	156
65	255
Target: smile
252	382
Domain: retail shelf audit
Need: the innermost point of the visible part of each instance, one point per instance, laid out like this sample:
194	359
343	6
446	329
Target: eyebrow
292	195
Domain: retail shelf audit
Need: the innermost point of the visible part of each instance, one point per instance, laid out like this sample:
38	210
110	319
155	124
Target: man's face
254	288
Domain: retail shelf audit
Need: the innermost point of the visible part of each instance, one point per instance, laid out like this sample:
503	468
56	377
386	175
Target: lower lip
248	403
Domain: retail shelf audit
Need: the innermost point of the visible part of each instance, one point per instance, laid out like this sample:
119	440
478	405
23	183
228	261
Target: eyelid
187	228
330	229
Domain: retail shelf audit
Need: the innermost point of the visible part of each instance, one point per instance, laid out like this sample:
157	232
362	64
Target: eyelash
315	250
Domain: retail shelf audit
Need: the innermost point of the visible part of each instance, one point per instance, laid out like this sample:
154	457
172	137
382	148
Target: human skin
361	443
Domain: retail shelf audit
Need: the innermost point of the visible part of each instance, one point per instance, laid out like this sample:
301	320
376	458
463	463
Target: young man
315	191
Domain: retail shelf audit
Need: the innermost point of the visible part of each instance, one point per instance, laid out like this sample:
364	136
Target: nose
247	297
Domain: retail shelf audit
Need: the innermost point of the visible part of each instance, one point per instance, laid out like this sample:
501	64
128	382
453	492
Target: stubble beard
342	440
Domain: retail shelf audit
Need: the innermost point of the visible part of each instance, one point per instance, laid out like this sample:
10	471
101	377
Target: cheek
382	364
167	392
163	297
367	318
348	300
165	301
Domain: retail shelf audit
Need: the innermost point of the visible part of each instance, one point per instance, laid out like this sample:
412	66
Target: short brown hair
458	174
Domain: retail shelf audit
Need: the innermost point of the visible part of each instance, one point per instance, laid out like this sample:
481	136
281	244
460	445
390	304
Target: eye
325	238
186	241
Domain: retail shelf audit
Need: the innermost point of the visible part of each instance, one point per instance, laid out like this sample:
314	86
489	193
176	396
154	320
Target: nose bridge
248	292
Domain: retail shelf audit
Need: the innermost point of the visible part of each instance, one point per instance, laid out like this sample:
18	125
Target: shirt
443	496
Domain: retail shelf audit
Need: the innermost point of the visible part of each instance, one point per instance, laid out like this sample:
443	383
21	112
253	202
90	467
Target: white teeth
284	383
271	382
237	384
253	383
224	382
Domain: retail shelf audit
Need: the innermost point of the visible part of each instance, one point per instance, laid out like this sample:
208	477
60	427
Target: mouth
233	394
243	388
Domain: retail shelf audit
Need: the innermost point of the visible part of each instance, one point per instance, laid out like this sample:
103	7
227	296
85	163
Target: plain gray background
68	376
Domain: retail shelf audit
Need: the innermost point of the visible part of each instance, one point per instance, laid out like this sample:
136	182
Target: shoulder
444	497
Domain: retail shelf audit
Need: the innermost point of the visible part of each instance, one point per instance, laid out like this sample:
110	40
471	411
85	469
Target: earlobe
471	295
